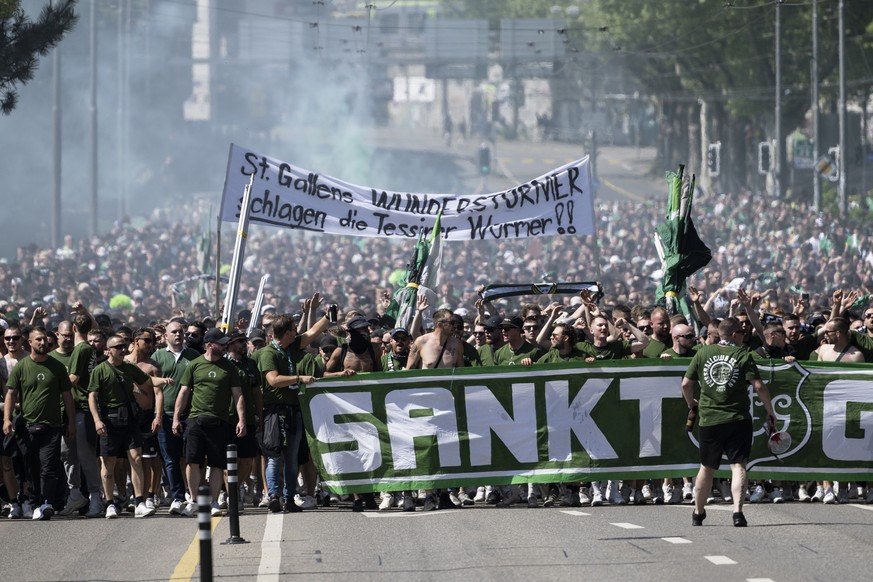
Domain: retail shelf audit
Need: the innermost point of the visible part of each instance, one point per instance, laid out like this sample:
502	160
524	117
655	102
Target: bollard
233	498
204	524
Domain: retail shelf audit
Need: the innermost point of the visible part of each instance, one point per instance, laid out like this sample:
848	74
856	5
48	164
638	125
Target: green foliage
22	41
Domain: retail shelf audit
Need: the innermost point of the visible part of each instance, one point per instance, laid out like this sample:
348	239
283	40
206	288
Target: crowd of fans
776	258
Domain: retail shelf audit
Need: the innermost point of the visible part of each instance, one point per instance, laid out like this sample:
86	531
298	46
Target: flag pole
218	266
256	309
239	251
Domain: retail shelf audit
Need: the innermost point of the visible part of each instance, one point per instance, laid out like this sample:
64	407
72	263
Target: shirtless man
148	400
439	348
358	355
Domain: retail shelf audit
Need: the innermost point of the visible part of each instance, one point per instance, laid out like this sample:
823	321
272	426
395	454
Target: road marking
625	525
707	508
720	560
859	506
271	549
191	558
676	540
622	191
571	512
759	580
384	514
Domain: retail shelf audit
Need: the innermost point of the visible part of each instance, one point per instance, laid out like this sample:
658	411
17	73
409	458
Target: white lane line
676	540
707	508
571	512
759	580
720	560
271	549
384	514
625	525
859	506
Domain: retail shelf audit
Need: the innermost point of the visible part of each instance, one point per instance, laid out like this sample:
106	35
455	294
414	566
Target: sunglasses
479	332
868	316
687	336
12	338
116	347
530	328
147	340
646	328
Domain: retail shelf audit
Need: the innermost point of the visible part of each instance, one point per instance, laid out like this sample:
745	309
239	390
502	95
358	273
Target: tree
22	41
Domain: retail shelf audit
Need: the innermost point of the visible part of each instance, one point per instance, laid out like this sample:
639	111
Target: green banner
569	423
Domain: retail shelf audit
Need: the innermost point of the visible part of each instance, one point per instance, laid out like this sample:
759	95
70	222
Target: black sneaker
370	501
291	507
358	505
697	518
493	498
274	505
740	519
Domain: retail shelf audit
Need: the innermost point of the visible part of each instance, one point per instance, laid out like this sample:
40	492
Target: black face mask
358	342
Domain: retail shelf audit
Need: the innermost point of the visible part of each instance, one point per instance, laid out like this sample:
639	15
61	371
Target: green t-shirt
62	358
210	384
724	373
170	367
673	353
391	362
614	350
505	356
286	363
654	348
554	356
39	386
114	384
250	380
471	355
82	361
486	354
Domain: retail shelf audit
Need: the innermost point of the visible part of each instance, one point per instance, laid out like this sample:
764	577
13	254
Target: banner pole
238	253
218	266
256	309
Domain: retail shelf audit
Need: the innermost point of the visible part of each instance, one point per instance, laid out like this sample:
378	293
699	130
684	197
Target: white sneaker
95	507
43	513
143	510
584	498
222	500
757	495
480	495
111	511
176	507
150	503
15	512
860	492
27	510
647	492
829	497
687	491
386	503
75	502
803	494
189	509
464	498
408	503
215	509
455	499
818	495
596	499
614	494
776	495
725	489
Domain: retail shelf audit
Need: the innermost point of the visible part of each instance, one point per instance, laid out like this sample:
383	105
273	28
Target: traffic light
713	159
765	157
484	159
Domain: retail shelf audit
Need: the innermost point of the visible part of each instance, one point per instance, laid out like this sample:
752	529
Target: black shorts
733	440
118	440
247	446
303	454
208	438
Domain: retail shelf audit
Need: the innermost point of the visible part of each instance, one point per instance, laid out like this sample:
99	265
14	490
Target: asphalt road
791	541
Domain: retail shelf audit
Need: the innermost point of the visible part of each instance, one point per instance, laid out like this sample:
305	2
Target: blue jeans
290	450
171	450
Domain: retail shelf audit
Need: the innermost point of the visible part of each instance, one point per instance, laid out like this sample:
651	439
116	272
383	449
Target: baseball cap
493	321
514	321
358	322
397	330
257	335
215	336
